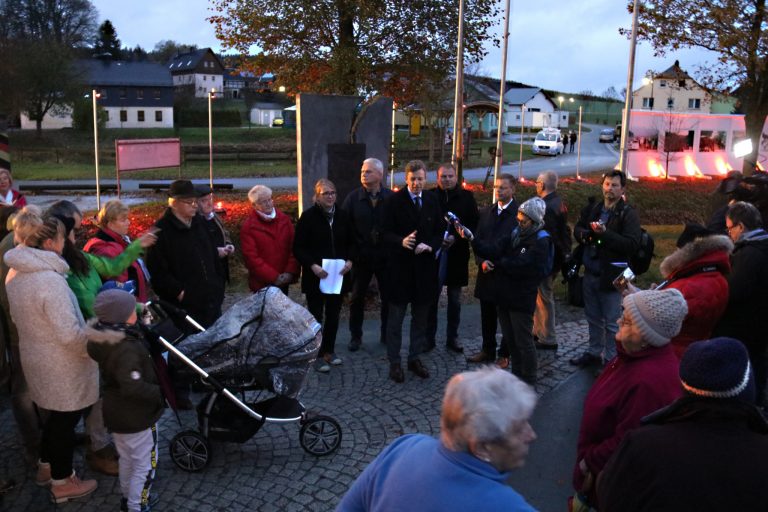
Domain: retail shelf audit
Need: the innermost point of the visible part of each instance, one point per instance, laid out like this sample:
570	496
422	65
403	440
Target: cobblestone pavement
271	472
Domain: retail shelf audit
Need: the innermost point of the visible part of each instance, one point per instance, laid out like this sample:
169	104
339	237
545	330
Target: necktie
417	202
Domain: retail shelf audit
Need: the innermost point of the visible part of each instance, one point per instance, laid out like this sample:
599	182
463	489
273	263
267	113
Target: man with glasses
745	316
365	206
183	262
412	234
266	239
610	232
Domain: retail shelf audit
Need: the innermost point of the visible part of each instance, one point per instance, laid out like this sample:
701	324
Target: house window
159	116
681	83
205	77
663	83
140	94
157	94
106	115
517	116
671	103
647	102
103	93
123	116
140	116
123	94
694	103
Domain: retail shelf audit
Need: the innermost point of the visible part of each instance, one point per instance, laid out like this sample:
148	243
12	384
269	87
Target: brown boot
70	488
103	461
43	477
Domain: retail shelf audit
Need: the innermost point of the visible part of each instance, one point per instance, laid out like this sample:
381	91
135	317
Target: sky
565	46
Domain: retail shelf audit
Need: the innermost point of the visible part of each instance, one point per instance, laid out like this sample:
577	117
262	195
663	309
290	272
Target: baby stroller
265	343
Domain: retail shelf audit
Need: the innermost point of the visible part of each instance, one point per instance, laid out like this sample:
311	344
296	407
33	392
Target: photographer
610	233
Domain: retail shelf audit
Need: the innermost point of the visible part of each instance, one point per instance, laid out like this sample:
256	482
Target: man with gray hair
480	443
556	224
365	206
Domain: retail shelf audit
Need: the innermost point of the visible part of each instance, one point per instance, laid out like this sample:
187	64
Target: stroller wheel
320	435
190	450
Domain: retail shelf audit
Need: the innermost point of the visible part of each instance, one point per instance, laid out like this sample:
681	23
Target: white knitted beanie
534	209
659	314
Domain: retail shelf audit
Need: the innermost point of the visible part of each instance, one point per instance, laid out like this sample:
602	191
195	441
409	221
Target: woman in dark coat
324	232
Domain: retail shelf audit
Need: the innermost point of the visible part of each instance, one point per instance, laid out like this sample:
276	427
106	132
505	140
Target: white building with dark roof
197	72
133	94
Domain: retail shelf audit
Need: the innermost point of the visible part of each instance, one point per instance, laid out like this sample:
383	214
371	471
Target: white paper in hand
332	282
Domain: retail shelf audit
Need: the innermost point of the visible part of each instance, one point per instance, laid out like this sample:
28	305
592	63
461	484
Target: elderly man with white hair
266	239
484	436
364	206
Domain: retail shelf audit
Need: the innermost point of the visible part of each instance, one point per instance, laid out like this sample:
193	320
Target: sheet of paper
332	283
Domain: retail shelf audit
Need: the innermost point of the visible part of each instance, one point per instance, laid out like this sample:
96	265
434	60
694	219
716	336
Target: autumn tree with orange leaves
391	47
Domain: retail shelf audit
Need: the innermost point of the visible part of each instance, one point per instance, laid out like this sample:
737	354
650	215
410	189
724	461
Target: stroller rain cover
265	327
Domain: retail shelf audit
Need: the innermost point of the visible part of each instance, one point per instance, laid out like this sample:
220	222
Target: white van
548	141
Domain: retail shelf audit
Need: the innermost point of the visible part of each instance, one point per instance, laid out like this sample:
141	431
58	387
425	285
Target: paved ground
271	472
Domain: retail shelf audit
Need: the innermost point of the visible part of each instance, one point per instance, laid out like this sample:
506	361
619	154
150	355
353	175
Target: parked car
607	135
277	122
548	142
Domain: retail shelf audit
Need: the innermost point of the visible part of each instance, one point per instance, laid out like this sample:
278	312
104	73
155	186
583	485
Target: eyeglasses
188	202
329	193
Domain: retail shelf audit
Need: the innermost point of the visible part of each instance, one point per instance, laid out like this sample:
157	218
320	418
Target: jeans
395	330
138	462
602	309
453	315
362	274
544	316
316	303
58	441
489	320
516	327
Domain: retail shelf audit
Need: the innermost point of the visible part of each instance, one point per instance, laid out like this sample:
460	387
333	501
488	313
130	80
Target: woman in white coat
52	343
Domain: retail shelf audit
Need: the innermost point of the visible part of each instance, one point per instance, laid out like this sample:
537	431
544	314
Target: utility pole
502	87
458	102
628	98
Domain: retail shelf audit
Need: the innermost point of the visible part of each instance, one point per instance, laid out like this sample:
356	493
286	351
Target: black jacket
556	224
315	240
132	400
491	227
412	277
520	265
367	222
184	258
745	316
219	237
462	203
697	454
620	241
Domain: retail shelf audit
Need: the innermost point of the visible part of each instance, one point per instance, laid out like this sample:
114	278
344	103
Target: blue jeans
602	309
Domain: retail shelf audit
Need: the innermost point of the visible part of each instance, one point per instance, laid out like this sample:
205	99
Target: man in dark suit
495	221
454	256
412	233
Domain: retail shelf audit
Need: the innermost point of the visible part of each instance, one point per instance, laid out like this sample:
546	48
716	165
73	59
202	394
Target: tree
107	41
166	49
37	41
82	115
354	46
611	93
737	30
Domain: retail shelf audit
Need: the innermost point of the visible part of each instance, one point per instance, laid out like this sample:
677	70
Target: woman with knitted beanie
642	378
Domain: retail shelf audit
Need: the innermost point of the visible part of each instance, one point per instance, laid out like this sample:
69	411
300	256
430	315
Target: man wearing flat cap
183	262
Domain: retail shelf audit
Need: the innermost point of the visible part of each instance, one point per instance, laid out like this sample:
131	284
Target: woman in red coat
642	378
9	196
698	269
112	239
266	239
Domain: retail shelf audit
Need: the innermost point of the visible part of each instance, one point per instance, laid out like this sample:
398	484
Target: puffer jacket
699	271
52	340
132	399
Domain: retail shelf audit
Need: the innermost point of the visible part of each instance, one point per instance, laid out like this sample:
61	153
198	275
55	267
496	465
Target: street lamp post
94	96
560	114
522	124
628	99
578	150
502	87
211	96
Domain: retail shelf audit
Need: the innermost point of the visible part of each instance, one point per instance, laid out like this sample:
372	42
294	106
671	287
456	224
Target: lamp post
560	114
211	96
628	98
458	101
522	124
94	96
499	147
578	149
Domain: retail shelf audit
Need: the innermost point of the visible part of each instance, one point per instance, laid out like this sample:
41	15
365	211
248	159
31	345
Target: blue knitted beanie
718	368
